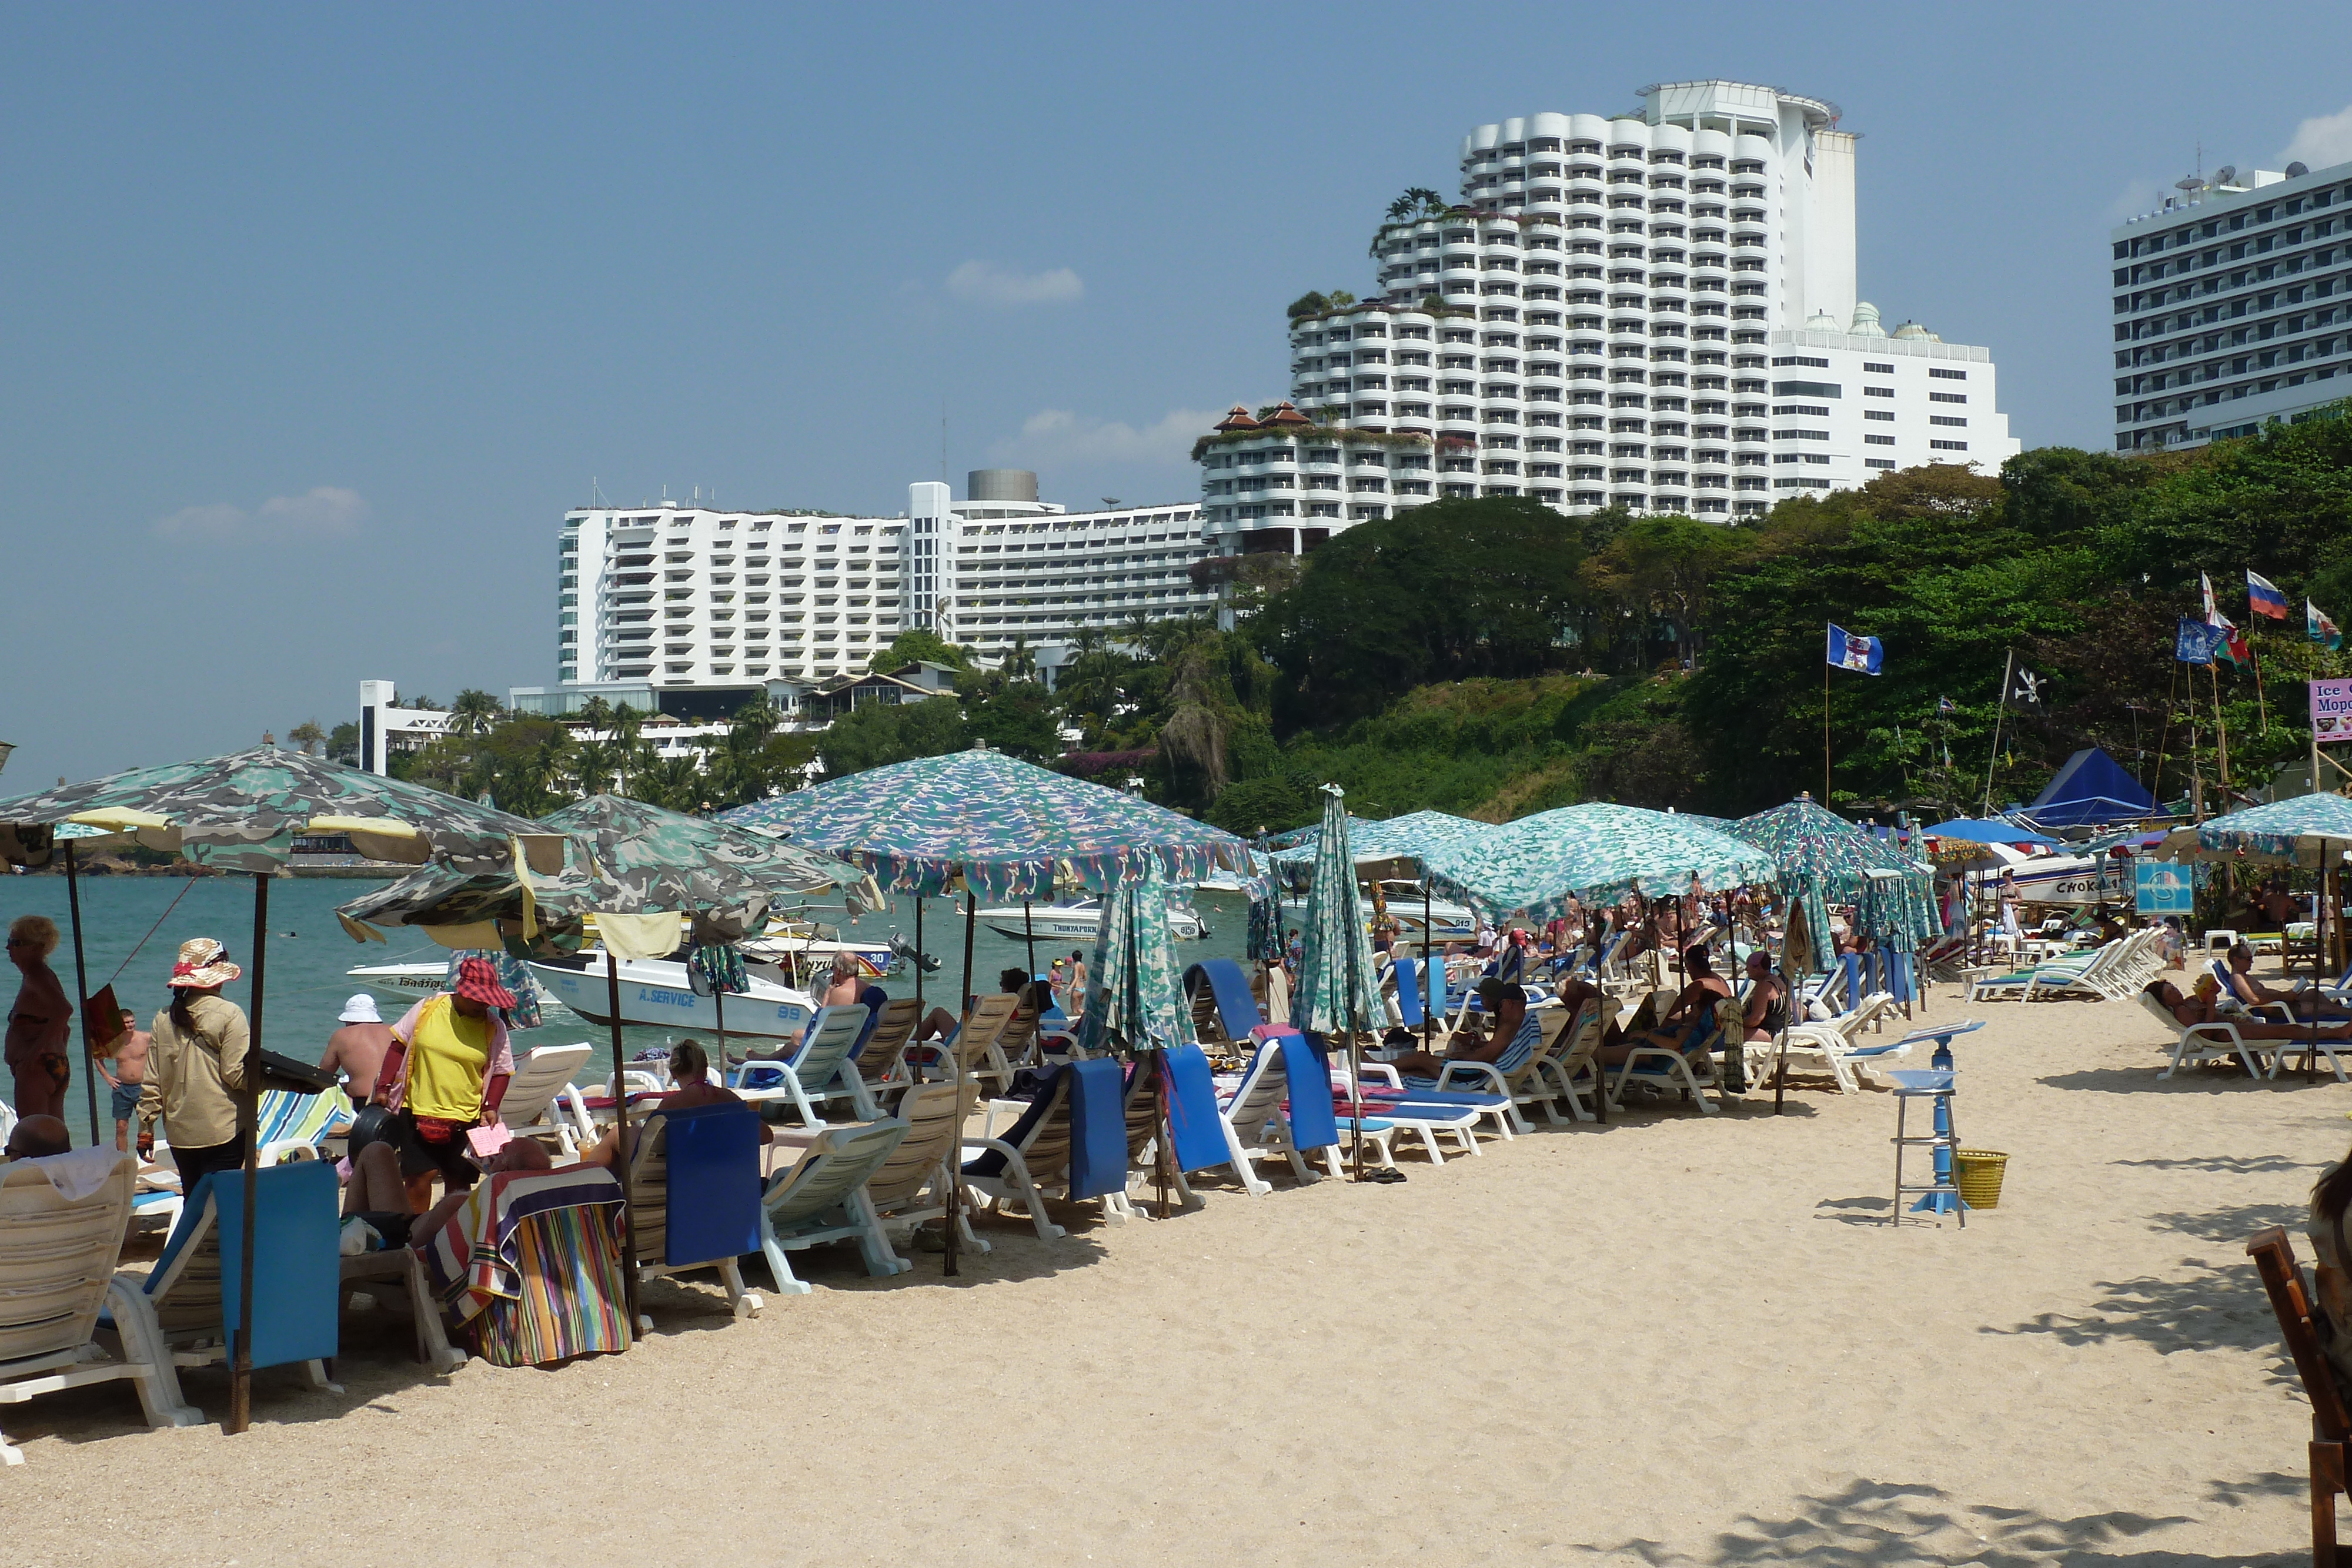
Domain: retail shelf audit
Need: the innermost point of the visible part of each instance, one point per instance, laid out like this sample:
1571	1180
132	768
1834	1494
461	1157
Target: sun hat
477	981
360	1008
204	964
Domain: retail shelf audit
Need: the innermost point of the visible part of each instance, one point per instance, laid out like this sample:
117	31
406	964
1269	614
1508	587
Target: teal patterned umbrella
1337	990
2296	831
1594	851
1009	828
1824	859
1408	837
241	813
1135	995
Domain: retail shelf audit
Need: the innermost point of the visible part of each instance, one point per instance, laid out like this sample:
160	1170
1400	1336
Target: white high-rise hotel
1655	310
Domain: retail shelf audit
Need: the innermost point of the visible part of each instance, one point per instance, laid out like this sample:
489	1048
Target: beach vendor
445	1074
198	1067
40	1022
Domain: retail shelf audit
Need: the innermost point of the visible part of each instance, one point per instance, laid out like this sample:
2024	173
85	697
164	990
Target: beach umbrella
1338	989
991	827
1135	995
1988	830
1822	857
241	813
1595	853
1391	842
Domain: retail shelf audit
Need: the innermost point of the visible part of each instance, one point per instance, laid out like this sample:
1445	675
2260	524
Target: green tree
918	642
307	735
343	744
876	733
1273	805
474	712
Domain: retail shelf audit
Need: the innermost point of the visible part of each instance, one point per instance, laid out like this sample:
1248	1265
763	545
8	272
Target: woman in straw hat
445	1074
199	1064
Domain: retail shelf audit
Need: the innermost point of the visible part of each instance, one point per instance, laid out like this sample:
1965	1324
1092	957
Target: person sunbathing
1506	1047
2206	1006
2254	994
1705	988
689	1069
1767	1002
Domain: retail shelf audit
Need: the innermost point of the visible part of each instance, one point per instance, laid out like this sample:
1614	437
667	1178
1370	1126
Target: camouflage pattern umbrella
1134	991
242	813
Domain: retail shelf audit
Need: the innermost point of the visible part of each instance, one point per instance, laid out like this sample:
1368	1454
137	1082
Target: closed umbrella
1135	994
1391	842
241	813
1822	857
991	826
1337	992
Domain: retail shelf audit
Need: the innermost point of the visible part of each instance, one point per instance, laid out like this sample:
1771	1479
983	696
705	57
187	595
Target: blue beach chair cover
1195	1131
1308	1066
297	1267
1097	1128
714	1183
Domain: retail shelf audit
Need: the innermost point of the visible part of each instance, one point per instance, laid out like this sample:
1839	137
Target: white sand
1675	1340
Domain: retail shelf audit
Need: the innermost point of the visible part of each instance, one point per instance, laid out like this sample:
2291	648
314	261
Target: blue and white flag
2193	640
1848	652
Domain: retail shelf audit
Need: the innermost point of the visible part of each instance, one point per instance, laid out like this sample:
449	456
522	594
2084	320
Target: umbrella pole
1356	1087
719	1006
919	960
1029	931
952	1265
81	997
621	1152
240	1385
1428	996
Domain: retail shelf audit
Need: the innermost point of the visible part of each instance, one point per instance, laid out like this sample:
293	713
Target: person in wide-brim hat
198	1066
446	1073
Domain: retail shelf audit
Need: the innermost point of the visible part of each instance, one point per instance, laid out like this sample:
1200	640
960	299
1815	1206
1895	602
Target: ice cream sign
2331	711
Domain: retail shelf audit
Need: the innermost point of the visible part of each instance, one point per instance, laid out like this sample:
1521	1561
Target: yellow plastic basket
1977	1173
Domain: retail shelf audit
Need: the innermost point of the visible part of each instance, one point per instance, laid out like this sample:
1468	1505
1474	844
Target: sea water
132	928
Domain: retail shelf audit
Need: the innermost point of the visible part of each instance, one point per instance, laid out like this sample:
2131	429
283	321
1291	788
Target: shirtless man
357	1049
1705	988
126	1074
841	987
2254	994
40	1022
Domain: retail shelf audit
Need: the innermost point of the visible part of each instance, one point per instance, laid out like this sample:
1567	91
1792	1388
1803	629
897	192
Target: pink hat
477	981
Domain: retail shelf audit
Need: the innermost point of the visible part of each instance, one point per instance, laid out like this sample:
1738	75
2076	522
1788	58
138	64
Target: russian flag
2263	596
1848	652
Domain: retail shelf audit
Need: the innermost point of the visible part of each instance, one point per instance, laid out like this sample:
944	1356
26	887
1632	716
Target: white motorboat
656	991
1448	921
1078	920
412	981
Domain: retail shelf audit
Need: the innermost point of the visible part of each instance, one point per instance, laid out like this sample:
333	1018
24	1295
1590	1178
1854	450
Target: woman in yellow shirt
445	1074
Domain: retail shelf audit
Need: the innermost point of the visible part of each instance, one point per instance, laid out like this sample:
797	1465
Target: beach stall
983	825
241	813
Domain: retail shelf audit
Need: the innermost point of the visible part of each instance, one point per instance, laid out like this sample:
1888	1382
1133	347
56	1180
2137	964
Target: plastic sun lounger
975	1051
820	1071
1387	1100
180	1306
1220	983
1529	1084
822	1198
1838	1040
2201	1042
651	1210
882	1059
1034	1153
536	1105
911	1186
1681	1067
1251	1116
57	1269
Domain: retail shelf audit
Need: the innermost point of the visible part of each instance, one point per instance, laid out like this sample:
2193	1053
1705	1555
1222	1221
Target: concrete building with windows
1595	323
2233	303
1003	569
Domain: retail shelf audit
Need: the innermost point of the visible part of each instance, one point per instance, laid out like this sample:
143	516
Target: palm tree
1401	208
597	715
592	768
625	724
474	712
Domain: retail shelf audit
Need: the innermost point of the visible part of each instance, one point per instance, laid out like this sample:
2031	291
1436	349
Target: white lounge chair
1690	1067
822	1198
648	1238
2200	1042
911	1186
1840	1041
542	1102
1033	1155
817	1072
57	1269
1253	1125
1531	1082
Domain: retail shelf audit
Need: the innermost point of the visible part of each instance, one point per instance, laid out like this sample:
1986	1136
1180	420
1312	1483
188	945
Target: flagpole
2164	734
1825	734
2221	730
2260	705
2007	668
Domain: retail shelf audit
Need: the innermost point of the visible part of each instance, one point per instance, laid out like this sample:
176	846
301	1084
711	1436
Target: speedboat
658	991
1448	921
413	981
1078	920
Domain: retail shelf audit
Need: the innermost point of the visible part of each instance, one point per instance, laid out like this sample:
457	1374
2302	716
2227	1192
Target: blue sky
316	319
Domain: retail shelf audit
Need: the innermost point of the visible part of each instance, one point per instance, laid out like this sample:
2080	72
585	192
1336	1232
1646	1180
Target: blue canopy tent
2091	788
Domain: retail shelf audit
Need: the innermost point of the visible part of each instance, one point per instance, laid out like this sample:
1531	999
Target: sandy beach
1676	1340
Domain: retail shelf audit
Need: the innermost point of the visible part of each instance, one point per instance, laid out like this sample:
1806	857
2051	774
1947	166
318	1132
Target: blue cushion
1195	1131
1097	1128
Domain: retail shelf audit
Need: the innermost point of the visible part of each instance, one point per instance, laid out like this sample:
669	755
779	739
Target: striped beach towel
571	1300
477	1257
